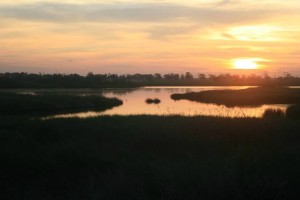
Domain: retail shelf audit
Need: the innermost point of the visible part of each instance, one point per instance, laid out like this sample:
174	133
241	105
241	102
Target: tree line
91	80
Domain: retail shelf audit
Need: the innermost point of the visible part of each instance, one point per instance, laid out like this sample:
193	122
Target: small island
153	101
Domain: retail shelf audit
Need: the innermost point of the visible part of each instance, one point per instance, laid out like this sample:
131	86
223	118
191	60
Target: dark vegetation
293	112
25	80
245	97
153	101
149	157
273	113
11	103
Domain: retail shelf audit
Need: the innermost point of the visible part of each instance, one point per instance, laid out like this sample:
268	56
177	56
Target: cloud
134	12
226	2
228	36
164	31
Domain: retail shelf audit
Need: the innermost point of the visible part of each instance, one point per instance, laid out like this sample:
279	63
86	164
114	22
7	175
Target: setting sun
245	64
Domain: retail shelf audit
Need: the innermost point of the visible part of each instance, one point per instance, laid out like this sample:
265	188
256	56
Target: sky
149	36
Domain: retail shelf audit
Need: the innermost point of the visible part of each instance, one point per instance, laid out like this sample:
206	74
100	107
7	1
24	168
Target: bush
152	101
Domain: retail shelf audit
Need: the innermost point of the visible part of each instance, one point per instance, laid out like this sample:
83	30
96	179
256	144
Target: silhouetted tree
201	76
188	76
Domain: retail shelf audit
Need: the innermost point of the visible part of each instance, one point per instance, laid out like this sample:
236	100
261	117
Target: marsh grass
149	157
53	103
245	97
274	113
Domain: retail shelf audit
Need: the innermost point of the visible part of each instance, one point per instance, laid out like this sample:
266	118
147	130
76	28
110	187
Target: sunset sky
149	36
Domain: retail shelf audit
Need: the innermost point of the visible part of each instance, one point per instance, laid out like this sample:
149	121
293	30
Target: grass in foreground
53	103
293	112
149	157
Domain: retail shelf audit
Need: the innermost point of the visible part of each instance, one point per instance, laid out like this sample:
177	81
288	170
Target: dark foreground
149	157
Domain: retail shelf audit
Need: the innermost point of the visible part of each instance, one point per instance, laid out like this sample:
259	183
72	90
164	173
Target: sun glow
245	64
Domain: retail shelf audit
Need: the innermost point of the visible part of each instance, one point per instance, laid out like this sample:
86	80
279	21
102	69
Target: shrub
152	101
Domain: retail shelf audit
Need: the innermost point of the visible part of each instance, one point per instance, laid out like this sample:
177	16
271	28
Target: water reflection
134	104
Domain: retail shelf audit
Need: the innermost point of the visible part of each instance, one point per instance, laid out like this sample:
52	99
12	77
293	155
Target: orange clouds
147	37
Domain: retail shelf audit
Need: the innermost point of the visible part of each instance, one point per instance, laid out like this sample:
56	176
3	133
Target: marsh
134	102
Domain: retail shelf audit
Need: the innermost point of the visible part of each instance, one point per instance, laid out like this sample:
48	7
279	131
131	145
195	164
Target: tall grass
149	157
273	113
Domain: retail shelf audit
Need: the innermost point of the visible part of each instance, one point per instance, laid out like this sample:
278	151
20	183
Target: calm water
134	103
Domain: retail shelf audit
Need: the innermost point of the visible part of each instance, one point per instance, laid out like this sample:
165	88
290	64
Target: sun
245	64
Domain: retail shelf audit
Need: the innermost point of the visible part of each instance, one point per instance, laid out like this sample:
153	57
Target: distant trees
157	76
171	77
201	76
91	80
189	76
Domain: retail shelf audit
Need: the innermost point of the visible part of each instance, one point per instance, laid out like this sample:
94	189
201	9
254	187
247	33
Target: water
134	103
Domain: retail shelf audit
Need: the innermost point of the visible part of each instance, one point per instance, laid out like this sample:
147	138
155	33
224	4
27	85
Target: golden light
245	64
256	33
